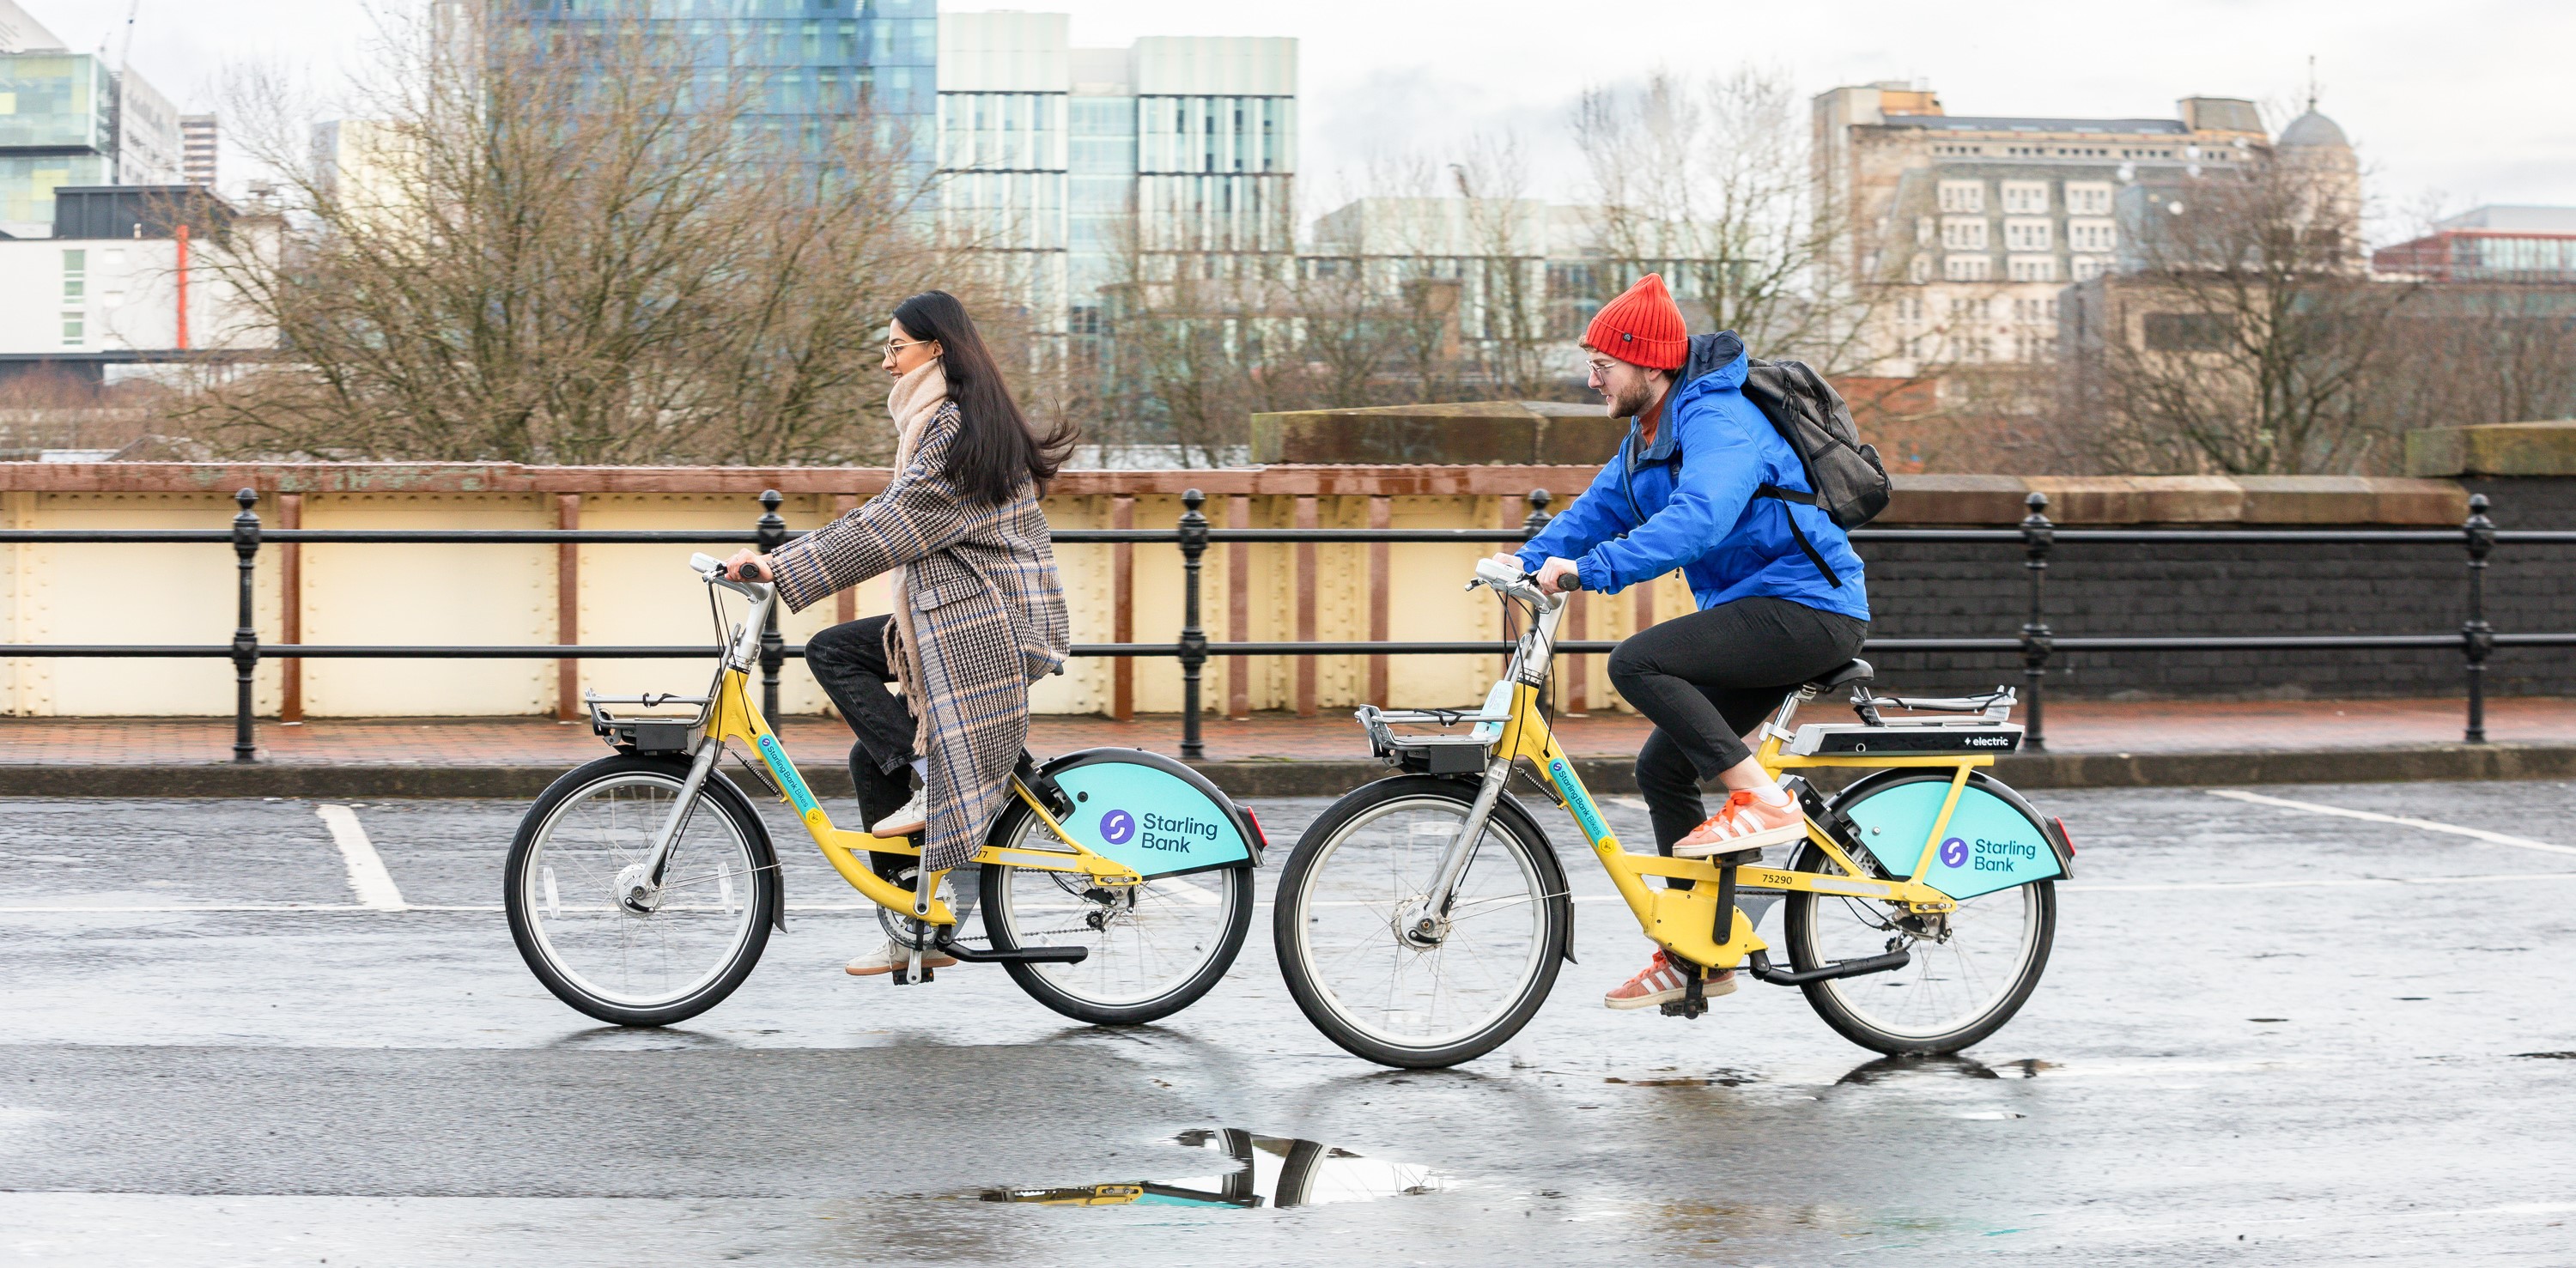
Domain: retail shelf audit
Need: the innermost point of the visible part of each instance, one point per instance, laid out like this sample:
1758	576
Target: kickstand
1694	1000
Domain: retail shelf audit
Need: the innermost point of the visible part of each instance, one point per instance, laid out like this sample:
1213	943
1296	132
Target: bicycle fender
1994	839
1548	862
765	851
1149	812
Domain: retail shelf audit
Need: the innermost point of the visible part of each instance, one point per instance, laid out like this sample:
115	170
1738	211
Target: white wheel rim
567	893
1351	954
1142	952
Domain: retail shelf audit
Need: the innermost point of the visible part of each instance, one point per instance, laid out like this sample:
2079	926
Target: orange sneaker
1662	983
1745	822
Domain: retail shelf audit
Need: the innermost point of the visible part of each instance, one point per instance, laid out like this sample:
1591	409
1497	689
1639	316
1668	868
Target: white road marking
367	873
2371	816
2339	883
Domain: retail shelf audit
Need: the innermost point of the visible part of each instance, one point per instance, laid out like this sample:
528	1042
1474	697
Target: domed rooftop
2313	130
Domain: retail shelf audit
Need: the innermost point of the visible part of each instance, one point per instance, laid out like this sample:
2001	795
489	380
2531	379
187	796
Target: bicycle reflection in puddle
1263	1171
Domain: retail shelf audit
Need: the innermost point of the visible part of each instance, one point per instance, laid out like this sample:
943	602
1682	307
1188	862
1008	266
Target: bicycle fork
1428	925
639	884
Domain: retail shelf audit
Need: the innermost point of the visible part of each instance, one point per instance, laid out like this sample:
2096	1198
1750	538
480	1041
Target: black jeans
849	660
1706	679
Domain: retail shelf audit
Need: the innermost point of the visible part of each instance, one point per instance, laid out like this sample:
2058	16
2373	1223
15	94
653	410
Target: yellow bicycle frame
733	717
1685	921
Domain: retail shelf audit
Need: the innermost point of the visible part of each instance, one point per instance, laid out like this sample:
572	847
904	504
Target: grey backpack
1850	483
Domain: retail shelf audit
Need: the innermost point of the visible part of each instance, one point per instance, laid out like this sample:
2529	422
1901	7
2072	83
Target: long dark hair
996	450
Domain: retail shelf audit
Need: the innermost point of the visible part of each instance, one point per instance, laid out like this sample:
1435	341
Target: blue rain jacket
1646	515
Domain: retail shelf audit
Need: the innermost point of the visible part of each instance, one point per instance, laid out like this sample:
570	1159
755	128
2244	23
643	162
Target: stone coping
1919	499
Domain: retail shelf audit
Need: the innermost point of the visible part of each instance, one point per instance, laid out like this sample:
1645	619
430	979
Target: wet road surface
2322	1024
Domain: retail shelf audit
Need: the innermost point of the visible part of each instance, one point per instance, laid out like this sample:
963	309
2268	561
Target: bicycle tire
1297	904
762	903
1839	1002
999	912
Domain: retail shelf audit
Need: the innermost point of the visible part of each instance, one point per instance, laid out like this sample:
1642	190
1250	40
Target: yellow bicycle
1421	920
641	888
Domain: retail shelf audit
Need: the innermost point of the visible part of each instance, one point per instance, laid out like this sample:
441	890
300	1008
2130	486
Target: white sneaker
913	818
885	958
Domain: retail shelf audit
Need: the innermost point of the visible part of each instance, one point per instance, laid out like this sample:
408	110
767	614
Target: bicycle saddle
1843	675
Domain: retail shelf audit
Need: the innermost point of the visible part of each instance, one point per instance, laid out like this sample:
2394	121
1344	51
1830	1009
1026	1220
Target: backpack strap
1798	534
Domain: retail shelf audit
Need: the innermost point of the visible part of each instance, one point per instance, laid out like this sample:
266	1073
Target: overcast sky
2467	100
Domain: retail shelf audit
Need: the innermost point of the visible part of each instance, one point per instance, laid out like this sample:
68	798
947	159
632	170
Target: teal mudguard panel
1149	819
1987	846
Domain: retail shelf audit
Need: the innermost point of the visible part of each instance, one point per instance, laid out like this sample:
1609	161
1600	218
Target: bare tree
574	243
1707	181
2248	340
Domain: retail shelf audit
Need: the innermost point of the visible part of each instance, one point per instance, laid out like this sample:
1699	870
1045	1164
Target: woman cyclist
978	611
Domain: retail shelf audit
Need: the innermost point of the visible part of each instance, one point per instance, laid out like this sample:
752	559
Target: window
75	330
75	276
1919	270
2088	198
2089	235
2033	268
2025	197
2188	332
1923	231
1959	233
1963	196
2027	235
1966	268
2085	268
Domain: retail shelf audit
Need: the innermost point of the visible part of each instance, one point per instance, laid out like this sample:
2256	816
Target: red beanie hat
1641	327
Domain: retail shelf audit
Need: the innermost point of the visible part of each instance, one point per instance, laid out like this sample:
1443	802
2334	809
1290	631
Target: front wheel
1972	968
1386	977
631	957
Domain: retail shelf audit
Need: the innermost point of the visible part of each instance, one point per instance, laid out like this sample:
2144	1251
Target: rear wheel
1351	910
628	957
1973	968
1156	947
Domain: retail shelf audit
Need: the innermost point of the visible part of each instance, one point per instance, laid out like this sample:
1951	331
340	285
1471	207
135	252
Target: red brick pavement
2073	727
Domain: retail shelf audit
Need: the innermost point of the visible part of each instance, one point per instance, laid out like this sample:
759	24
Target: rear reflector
1259	836
2063	836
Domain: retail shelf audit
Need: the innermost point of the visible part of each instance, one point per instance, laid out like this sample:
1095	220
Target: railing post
1531	524
773	649
2477	638
246	629
2038	537
1194	544
1538	516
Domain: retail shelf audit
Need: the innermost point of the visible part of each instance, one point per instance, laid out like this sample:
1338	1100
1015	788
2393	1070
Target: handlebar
717	572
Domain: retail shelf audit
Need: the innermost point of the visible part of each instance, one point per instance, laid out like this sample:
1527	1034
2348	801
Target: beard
1629	402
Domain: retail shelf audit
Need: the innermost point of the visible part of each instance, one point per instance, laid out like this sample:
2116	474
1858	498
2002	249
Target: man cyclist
1775	611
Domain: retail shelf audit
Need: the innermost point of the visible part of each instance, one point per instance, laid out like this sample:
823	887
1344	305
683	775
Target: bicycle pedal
1685	1007
1738	858
897	977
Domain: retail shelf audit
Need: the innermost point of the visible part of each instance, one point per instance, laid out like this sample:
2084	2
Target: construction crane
125	47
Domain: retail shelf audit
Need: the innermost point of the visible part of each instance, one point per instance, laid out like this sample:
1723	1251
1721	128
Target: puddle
1249	1171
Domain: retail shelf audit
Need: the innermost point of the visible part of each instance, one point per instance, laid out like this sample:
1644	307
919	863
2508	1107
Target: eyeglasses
894	346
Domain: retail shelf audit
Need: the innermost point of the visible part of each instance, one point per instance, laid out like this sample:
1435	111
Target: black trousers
849	660
1706	679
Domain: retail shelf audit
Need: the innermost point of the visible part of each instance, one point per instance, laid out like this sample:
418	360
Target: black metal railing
2036	643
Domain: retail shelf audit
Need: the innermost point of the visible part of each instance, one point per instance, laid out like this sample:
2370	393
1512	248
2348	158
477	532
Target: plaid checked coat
987	620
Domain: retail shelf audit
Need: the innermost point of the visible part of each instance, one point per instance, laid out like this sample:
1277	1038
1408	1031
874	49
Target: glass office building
818	59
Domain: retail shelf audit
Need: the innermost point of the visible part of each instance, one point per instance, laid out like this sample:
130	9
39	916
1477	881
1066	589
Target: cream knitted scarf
916	397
